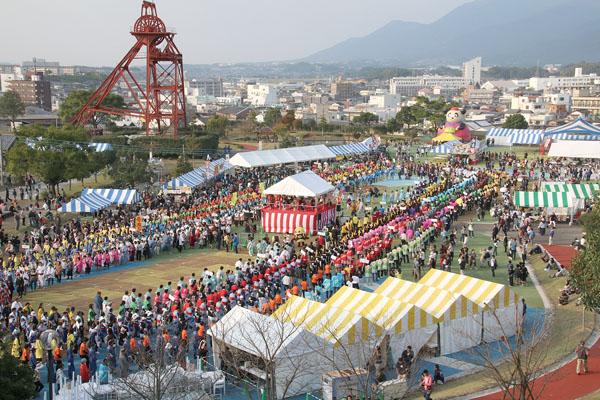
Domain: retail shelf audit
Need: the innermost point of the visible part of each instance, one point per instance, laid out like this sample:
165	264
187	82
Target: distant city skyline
81	32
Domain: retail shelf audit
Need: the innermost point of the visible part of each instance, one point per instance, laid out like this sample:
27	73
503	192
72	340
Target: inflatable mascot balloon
456	126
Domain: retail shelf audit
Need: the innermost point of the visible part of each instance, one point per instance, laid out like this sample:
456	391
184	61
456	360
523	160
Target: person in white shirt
127	299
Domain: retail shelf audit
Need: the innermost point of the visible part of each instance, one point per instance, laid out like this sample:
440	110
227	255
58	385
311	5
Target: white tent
575	149
295	352
265	158
304	184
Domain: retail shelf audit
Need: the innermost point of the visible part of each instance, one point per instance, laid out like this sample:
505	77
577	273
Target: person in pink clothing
426	384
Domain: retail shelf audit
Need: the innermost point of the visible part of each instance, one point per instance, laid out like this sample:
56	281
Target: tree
159	377
405	117
289	118
366	118
183	166
49	166
272	116
78	98
56	155
16	378
19	160
129	170
585	274
77	165
523	358
515	121
265	344
217	125
11	106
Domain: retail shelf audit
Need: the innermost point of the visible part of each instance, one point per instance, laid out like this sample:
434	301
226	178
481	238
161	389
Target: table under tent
457	319
500	307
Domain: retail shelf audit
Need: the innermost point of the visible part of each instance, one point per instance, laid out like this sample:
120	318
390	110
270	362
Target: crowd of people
173	318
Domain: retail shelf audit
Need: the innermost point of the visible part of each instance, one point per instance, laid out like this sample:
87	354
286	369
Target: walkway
563	383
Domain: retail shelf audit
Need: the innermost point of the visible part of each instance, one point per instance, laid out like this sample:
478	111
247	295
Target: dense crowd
174	317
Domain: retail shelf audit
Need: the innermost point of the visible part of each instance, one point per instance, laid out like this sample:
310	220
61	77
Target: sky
96	33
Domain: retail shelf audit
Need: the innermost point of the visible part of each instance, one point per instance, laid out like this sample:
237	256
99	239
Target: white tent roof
304	184
260	334
264	158
575	149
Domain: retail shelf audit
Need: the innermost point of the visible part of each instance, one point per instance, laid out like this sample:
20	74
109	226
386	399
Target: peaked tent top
580	126
304	184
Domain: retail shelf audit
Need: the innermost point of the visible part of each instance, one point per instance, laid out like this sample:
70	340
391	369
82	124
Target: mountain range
503	32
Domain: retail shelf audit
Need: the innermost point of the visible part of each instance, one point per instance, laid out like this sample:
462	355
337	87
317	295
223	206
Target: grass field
167	267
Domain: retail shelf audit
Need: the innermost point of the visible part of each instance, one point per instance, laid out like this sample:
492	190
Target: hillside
503	32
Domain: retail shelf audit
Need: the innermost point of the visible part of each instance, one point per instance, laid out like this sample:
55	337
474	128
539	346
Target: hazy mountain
504	32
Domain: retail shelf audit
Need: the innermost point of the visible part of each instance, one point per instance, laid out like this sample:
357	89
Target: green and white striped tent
578	190
544	199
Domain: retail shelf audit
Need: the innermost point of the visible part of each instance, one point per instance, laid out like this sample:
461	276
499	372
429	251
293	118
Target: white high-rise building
262	95
472	71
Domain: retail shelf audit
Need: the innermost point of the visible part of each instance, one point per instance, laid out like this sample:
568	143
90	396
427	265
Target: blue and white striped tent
509	137
116	196
349	149
221	165
199	175
100	147
580	129
87	203
177	183
445	148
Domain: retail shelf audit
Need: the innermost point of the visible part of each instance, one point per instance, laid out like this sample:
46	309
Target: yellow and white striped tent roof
442	304
332	324
484	293
389	314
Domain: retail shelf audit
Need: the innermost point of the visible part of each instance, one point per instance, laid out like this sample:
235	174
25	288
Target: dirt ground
80	293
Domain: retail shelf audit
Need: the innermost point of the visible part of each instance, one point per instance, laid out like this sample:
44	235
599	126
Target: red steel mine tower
162	96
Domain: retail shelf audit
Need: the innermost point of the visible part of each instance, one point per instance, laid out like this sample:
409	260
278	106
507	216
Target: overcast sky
87	32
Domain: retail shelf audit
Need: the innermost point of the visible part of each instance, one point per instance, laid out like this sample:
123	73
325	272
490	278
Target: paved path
564	383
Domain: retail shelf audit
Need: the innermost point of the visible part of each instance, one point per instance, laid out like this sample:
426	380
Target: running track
564	383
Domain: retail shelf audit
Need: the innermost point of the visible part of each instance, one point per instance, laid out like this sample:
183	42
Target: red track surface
564	383
564	255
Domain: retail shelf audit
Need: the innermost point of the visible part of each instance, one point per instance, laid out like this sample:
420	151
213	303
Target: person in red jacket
84	371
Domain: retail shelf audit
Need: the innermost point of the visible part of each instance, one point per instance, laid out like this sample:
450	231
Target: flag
234	198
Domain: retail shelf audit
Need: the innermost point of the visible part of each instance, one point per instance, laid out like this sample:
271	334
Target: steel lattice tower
162	97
